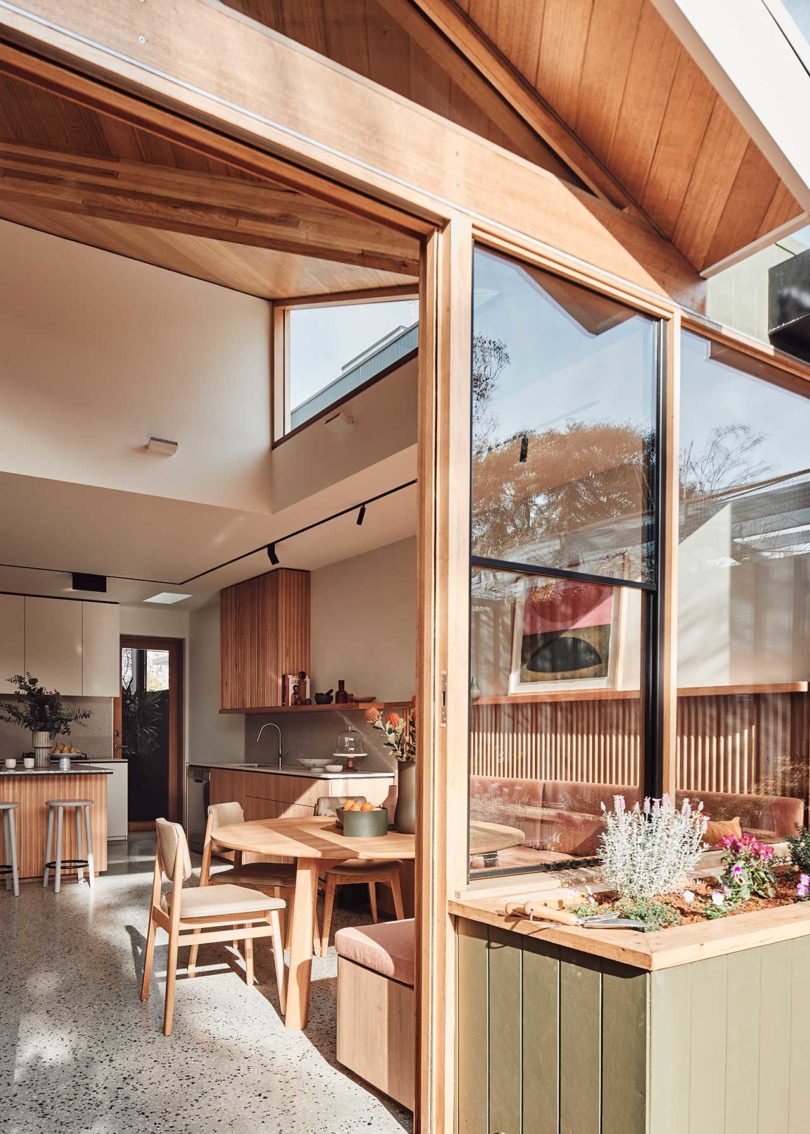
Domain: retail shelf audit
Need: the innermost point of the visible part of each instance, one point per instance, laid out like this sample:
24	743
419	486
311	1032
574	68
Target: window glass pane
334	350
157	670
555	694
127	666
744	605
563	424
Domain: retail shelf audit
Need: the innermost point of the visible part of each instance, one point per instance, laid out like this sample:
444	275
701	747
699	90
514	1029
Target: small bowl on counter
313	763
333	767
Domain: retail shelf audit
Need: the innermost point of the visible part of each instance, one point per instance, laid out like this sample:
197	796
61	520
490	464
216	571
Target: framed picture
566	636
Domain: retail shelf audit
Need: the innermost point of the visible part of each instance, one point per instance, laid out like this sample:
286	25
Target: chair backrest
223	814
328	804
171	841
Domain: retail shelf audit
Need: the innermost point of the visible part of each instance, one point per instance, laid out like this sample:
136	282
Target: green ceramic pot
364	824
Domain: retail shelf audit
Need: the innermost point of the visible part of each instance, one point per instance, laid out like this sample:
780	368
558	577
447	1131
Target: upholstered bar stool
9	867
80	808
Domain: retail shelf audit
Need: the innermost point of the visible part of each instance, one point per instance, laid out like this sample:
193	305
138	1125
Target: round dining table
317	843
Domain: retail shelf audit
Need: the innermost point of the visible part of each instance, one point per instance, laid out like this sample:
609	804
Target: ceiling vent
162	445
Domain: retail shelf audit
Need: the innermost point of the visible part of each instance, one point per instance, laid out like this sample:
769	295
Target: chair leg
48	844
7	845
171	979
148	957
15	873
372	897
77	817
192	956
278	961
328	903
57	878
90	864
248	952
396	890
289	920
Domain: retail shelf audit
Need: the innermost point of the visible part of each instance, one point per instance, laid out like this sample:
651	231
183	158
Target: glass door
149	727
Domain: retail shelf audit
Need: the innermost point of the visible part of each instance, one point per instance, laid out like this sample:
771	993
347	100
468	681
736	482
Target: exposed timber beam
455	64
265	99
199	204
479	53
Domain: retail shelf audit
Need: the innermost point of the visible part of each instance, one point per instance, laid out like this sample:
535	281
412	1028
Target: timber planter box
697	1029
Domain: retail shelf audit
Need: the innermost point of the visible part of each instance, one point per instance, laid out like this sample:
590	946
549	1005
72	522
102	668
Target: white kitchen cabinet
101	665
53	643
12	639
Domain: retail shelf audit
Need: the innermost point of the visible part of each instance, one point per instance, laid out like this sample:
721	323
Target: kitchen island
32	788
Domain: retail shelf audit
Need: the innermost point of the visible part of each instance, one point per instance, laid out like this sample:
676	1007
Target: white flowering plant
651	849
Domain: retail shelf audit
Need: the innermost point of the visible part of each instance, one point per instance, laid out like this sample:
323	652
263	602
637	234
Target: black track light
271	554
361	515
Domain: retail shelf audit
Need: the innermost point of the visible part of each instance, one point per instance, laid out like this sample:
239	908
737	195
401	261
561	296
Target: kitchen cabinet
12	639
53	643
101	652
264	633
67	644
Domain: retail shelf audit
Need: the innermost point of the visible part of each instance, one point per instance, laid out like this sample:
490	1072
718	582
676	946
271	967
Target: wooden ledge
651	952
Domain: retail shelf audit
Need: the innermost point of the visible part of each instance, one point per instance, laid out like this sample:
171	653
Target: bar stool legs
81	808
9	867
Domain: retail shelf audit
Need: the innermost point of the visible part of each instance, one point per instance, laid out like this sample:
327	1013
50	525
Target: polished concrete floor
80	1054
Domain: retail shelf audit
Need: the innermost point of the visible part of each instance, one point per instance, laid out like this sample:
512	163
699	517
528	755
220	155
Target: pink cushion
387	948
770	816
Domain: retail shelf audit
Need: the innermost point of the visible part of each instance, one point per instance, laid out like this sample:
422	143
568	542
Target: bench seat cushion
387	948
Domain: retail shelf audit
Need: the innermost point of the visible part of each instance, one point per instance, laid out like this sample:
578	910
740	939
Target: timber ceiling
76	173
605	82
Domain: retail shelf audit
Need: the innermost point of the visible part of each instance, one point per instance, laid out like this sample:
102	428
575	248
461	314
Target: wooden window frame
280	354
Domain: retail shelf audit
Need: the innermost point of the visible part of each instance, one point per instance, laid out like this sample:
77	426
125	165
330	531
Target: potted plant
400	738
41	711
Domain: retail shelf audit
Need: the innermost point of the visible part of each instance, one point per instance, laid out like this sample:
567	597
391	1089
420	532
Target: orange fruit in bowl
367	807
349	805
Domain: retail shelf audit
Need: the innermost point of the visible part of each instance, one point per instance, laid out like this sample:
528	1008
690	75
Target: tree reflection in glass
563	424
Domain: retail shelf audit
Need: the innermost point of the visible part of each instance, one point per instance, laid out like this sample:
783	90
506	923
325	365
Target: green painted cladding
551	1041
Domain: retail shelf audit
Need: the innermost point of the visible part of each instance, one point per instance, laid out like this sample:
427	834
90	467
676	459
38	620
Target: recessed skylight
167	598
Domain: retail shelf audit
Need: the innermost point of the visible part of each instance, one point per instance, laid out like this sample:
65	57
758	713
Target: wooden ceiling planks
262	272
70	171
618	77
364	36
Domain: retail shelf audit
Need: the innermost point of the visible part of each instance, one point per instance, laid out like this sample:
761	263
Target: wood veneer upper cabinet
264	633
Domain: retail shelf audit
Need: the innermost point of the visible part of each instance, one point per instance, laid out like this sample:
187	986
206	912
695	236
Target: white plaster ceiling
65	527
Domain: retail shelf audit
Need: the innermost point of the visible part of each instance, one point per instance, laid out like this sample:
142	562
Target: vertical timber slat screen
746	744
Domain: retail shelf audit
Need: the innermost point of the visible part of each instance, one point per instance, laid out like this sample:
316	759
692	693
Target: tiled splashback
93	736
313	734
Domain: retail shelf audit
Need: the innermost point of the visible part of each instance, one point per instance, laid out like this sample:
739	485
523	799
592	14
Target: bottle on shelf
341	697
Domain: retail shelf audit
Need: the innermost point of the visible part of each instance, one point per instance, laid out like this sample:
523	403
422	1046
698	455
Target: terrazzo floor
80	1054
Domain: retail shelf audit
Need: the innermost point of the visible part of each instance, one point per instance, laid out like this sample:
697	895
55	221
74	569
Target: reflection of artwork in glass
566	634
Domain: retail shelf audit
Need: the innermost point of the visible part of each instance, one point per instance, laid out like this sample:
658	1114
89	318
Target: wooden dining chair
274	878
353	872
203	915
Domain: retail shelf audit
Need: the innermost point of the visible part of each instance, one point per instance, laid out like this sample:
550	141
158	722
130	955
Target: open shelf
333	708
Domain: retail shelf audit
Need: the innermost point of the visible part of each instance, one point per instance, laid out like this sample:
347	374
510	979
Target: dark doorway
149	727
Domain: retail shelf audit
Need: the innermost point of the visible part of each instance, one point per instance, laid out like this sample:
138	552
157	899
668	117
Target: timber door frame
177	700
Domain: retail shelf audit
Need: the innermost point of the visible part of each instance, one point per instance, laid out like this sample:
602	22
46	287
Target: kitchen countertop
74	770
287	770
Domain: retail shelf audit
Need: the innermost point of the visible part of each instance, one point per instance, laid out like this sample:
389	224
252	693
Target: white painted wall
212	735
364	623
100	351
